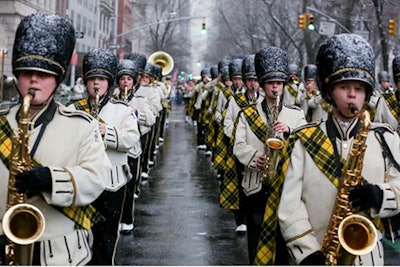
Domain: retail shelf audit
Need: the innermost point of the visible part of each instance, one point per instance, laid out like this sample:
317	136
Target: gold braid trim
42	58
345	70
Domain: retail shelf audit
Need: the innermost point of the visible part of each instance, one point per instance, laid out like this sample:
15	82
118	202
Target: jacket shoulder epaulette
307	125
117	101
292	106
75	113
378	126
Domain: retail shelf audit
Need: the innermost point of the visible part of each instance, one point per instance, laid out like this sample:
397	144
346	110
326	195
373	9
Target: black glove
316	258
364	197
34	181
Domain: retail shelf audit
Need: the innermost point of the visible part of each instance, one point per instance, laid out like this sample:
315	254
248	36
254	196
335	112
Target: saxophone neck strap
385	147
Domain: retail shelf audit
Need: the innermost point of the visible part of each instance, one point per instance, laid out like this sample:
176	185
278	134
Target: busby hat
214	72
127	67
223	68
383	76
345	57
205	72
235	68
43	42
310	72
271	64
139	59
396	68
248	69
157	72
100	62
294	69
149	70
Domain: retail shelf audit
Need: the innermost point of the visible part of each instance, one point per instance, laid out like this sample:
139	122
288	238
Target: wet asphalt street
178	221
177	217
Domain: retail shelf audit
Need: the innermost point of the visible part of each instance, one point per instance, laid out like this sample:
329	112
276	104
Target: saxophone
23	223
273	145
125	97
95	109
349	234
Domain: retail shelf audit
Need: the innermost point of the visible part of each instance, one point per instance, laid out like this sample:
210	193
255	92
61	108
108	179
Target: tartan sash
212	129
257	125
84	217
321	150
392	104
222	141
229	197
83	105
325	106
291	90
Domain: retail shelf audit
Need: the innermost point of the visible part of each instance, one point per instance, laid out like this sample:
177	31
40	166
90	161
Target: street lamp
3	51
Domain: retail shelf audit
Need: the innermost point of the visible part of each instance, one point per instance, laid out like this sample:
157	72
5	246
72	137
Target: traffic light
310	23
203	28
302	21
393	27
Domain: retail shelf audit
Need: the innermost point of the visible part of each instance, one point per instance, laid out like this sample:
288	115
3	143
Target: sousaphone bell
164	60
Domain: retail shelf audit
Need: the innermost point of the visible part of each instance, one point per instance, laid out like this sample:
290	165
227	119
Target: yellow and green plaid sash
84	217
256	123
392	104
213	128
222	142
83	105
320	148
229	197
291	90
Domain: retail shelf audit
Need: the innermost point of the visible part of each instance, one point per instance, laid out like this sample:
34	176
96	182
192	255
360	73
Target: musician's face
347	93
310	85
126	81
44	84
273	89
252	85
99	83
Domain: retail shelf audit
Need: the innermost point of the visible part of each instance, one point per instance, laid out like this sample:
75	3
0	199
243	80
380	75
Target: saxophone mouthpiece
354	109
31	92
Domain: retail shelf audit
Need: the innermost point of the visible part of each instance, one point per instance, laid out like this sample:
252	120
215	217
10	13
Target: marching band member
69	161
119	130
255	121
127	77
387	106
317	162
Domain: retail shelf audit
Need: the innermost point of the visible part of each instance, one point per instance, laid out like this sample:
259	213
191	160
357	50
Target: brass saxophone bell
275	143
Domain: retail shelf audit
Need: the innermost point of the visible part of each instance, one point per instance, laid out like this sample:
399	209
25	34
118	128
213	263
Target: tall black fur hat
157	72
149	70
235	68
100	62
214	72
43	42
294	69
248	68
396	68
310	72
127	67
139	59
383	76
345	57
223	68
271	64
205	72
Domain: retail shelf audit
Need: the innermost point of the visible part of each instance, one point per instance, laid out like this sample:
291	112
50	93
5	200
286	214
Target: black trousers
106	232
145	142
131	188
